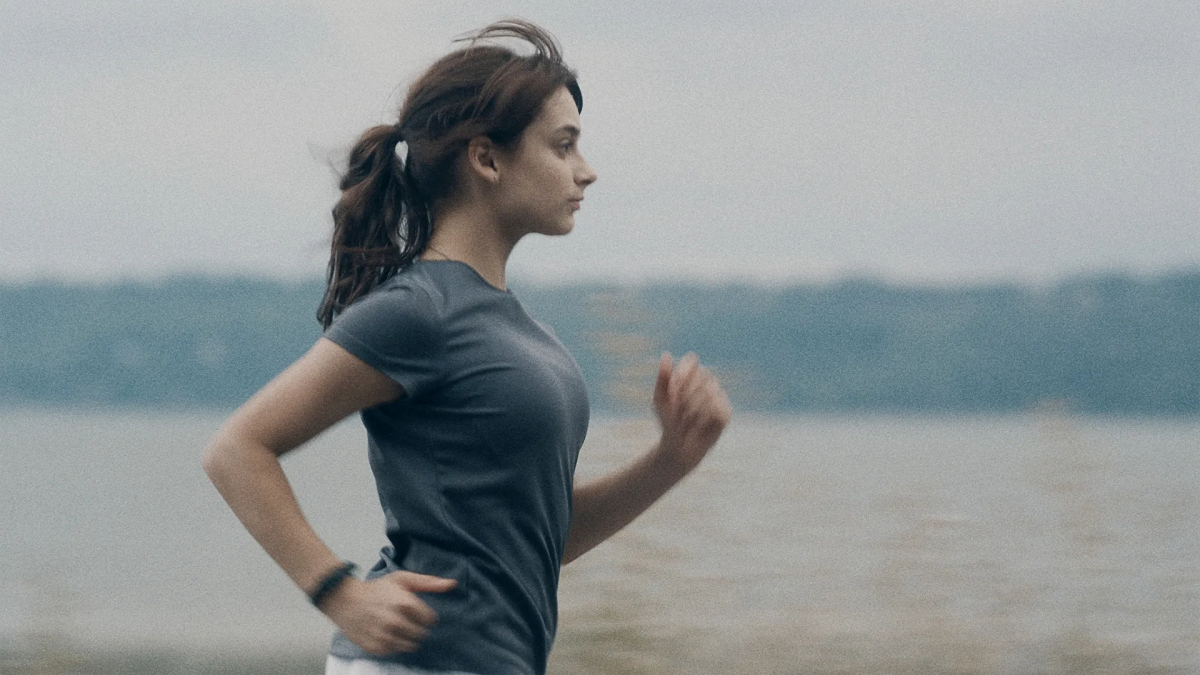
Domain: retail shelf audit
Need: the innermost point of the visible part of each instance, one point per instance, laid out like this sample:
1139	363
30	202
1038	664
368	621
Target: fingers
693	397
704	402
410	606
683	372
393	638
688	377
692	409
700	379
418	614
665	365
422	583
716	405
405	629
385	616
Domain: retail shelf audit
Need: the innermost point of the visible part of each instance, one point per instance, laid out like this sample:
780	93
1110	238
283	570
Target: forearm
603	506
252	482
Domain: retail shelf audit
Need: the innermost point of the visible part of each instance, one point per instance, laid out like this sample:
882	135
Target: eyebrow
571	129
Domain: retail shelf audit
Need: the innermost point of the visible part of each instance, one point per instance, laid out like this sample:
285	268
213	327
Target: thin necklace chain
429	247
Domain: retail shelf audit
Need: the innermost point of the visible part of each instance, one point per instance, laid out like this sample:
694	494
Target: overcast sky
918	141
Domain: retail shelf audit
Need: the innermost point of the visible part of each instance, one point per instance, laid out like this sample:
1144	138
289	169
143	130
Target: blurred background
943	255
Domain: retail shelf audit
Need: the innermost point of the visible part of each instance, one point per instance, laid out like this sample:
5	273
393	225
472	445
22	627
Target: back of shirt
475	464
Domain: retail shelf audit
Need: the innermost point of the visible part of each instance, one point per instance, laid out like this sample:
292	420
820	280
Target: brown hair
384	218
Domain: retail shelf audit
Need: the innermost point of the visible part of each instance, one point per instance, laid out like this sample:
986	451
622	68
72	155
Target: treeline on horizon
1103	344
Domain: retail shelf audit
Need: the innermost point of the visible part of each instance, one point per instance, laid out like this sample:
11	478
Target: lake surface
1039	543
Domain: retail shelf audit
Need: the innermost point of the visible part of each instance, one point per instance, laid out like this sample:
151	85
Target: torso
475	464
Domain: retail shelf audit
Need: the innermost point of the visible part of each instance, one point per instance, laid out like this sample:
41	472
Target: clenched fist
691	407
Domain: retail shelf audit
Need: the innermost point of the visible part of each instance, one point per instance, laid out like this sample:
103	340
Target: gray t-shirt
474	465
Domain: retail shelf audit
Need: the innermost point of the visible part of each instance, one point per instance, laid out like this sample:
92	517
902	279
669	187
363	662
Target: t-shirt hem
351	652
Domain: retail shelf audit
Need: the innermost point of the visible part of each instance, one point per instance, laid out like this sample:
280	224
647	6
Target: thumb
665	365
422	583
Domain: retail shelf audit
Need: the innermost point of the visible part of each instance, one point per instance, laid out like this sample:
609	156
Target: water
1039	543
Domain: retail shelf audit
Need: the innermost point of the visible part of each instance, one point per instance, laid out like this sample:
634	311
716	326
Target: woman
475	412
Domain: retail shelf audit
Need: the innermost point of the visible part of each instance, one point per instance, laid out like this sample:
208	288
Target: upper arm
314	393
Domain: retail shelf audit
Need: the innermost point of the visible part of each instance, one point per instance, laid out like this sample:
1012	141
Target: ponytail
379	225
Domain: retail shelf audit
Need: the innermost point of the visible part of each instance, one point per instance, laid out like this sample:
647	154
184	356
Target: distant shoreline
1105	344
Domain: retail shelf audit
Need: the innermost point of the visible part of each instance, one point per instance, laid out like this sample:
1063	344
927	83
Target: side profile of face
540	182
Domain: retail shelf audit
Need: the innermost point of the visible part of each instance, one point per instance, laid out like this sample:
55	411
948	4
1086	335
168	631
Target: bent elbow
215	459
210	461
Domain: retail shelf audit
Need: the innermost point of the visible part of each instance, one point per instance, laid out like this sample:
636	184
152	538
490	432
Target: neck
471	235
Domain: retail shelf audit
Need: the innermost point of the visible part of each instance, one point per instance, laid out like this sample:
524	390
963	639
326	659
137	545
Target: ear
481	159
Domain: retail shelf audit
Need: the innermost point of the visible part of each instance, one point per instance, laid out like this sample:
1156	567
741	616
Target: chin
559	229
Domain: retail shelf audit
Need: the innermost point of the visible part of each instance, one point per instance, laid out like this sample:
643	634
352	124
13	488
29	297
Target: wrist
330	582
671	459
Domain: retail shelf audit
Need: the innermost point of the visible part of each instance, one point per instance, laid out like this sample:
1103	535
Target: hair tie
401	144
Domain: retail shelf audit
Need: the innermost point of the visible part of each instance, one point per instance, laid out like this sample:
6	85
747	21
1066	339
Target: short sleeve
395	329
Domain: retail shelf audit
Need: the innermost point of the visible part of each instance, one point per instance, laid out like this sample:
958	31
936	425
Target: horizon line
636	281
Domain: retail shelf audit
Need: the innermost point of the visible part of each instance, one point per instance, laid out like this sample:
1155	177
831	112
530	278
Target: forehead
558	111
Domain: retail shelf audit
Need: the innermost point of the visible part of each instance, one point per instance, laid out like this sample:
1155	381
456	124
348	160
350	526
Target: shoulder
409	285
397	328
408	307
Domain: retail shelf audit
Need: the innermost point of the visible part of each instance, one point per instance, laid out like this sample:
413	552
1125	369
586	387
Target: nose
586	175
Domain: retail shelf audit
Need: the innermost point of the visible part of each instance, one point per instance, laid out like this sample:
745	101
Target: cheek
543	182
546	173
540	186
